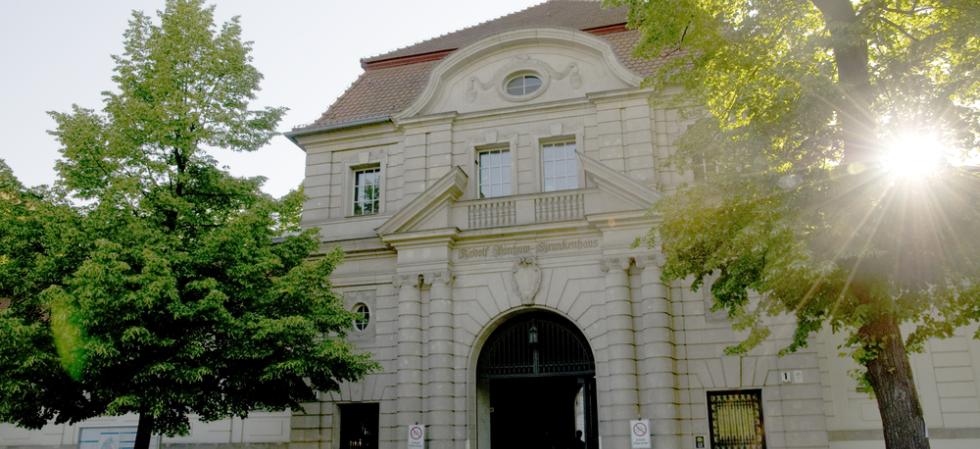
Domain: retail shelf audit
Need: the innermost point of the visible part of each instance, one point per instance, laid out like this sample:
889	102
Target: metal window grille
735	419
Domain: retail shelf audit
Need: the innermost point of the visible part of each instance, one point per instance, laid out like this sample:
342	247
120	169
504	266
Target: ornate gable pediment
617	184
569	64
437	199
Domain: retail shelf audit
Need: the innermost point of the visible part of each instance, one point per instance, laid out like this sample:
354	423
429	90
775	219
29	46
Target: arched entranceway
536	377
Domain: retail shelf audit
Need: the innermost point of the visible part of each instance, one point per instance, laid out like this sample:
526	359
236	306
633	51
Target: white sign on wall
120	437
416	436
640	434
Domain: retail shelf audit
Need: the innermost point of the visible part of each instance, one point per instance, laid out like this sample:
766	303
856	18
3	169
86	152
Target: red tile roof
575	14
391	81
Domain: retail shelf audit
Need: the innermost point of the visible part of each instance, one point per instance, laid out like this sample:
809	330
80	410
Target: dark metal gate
735	419
532	364
535	345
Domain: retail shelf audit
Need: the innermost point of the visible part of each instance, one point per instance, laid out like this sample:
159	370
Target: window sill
364	216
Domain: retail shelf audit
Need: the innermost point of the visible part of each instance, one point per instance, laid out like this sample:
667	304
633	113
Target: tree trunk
851	57
144	431
890	375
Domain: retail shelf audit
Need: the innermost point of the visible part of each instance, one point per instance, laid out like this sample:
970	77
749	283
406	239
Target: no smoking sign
416	436
640	434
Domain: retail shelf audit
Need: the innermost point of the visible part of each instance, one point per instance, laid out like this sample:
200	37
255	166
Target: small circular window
362	316
523	84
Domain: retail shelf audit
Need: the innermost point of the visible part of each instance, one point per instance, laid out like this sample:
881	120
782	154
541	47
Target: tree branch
898	28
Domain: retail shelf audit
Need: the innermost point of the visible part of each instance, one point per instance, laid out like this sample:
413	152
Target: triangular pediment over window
428	206
618	184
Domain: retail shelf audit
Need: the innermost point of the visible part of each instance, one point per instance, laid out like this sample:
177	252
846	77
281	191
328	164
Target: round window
362	316
523	84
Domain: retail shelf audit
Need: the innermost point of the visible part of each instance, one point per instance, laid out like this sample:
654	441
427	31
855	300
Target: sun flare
913	156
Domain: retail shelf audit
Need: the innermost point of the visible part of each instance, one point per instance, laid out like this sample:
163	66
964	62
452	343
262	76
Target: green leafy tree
812	117
166	287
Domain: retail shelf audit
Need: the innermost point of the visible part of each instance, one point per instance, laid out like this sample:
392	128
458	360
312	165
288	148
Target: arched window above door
536	344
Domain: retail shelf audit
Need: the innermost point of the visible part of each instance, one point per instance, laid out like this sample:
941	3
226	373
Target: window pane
494	173
531	83
523	85
362	316
367	198
560	166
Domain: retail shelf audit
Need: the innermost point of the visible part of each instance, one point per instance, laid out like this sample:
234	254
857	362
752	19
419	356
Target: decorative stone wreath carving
510	39
524	65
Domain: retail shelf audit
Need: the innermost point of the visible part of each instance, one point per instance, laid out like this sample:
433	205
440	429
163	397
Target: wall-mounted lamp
532	335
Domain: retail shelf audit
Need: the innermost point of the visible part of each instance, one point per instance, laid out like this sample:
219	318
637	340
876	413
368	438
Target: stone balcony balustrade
514	210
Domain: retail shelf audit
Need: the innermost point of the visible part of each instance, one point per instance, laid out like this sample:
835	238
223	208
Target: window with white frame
367	190
362	316
523	84
494	168
560	166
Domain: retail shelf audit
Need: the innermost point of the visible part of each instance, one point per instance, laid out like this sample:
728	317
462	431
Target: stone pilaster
623	398
409	351
656	356
440	387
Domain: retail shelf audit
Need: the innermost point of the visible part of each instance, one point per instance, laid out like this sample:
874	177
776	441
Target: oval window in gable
523	84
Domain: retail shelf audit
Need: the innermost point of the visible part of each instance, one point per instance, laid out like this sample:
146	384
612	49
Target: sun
913	156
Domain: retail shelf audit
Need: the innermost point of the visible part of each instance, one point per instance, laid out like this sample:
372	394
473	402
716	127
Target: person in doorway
579	442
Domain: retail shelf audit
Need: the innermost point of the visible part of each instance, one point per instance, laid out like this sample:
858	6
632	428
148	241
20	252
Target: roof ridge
369	59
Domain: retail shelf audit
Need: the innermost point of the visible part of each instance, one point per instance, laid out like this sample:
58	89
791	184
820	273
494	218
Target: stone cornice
432	119
369	129
620	94
444	236
612	220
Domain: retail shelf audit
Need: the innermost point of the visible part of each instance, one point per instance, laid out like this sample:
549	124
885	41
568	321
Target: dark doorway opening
359	426
539	373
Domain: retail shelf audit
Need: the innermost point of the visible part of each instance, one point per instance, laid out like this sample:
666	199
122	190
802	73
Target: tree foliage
167	287
794	107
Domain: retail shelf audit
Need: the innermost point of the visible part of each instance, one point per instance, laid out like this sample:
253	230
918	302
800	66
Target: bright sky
56	53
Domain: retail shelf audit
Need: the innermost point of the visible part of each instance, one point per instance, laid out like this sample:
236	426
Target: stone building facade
486	187
477	230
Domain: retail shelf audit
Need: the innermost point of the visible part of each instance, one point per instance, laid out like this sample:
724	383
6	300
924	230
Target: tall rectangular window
367	190
560	166
735	419
494	169
359	426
